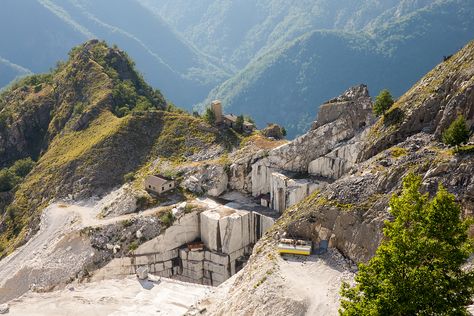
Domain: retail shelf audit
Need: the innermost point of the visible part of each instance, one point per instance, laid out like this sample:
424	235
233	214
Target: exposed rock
338	120
273	131
4	309
430	106
119	202
142	273
206	179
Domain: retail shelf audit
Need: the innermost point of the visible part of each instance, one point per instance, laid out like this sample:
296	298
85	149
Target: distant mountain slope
241	29
45	30
286	85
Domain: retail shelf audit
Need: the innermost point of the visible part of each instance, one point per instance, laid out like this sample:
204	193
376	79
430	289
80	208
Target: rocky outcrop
430	106
338	120
206	179
273	130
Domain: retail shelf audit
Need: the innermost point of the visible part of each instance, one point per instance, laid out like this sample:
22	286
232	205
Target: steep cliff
349	212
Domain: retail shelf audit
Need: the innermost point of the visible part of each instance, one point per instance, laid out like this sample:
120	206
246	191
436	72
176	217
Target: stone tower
216	107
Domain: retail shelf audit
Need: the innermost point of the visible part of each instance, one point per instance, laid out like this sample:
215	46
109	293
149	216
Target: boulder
206	179
142	273
4	309
273	130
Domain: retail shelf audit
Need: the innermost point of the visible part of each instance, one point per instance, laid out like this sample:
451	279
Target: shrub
167	219
383	102
209	116
457	133
393	116
239	124
8	180
22	167
129	177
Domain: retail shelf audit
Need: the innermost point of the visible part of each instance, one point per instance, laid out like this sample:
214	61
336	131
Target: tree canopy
457	133
383	102
417	268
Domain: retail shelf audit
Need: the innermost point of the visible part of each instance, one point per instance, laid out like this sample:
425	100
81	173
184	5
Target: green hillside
86	124
287	85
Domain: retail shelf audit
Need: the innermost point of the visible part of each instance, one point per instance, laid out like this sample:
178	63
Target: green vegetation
167	219
209	116
383	102
468	149
11	177
417	270
239	124
129	177
457	133
398	152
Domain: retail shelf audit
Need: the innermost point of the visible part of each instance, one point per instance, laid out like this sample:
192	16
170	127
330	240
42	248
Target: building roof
248	124
231	117
158	180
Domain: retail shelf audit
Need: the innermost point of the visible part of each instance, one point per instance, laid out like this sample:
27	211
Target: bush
383	102
393	116
209	116
417	270
239	124
129	177
22	167
8	180
167	219
457	133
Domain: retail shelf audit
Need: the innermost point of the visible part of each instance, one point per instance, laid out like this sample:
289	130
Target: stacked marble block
227	235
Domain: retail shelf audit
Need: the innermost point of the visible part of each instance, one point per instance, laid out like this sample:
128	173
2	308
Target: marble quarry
227	234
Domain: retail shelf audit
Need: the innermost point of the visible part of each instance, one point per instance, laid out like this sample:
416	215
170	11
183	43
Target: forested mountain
285	85
238	30
275	60
37	33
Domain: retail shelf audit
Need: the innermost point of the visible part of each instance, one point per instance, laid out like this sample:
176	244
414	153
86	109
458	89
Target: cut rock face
226	230
338	121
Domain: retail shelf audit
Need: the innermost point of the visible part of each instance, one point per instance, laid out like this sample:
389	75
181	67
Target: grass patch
464	150
398	152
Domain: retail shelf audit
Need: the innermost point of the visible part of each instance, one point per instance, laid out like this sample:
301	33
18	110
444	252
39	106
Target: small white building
159	184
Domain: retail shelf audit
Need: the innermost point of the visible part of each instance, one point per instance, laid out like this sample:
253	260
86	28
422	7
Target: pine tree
417	268
239	123
209	116
457	133
383	102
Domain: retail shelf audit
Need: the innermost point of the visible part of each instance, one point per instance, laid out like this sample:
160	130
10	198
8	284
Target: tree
383	102
22	167
457	133
210	116
417	268
8	180
283	131
239	123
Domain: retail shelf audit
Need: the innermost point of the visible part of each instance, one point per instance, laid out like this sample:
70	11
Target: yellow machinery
294	246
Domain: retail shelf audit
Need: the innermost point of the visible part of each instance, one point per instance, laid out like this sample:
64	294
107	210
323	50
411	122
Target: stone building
159	184
216	107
